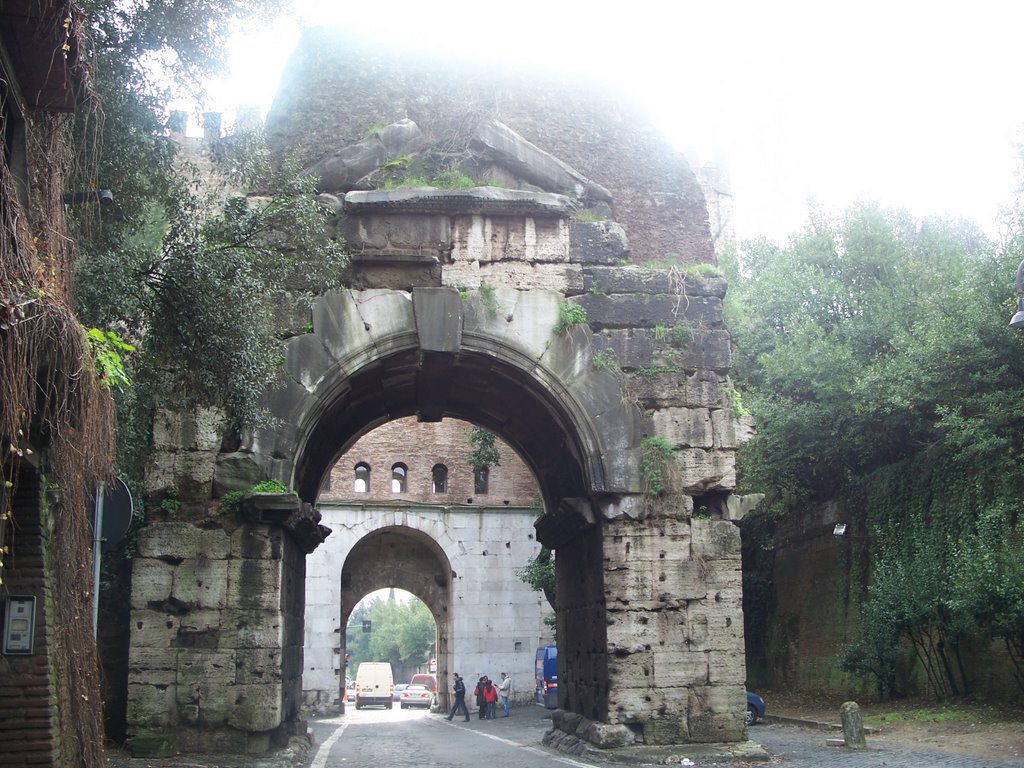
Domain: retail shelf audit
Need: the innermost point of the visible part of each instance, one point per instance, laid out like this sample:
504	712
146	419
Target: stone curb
815	724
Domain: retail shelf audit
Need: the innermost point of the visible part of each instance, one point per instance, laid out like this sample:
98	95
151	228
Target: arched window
398	475
480	478
440	478
361	484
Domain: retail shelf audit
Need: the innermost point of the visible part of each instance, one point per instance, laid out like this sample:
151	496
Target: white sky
907	103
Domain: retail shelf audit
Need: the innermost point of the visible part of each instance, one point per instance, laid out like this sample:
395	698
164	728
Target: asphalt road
397	739
416	738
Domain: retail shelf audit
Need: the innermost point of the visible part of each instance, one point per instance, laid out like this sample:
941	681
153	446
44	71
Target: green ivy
657	457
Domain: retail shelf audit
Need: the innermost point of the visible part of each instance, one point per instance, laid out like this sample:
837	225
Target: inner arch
473	385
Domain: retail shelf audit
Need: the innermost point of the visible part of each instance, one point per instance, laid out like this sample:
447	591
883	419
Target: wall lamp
101	196
1017	321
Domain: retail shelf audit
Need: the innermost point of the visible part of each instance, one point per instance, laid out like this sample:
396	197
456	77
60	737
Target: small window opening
440	479
398	477
362	478
481	476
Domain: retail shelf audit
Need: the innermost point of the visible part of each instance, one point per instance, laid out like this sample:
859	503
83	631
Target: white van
375	685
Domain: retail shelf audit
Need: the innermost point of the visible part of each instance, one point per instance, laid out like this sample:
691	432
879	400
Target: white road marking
325	749
532	750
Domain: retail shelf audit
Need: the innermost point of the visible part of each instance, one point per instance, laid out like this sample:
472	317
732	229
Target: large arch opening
476	386
458	551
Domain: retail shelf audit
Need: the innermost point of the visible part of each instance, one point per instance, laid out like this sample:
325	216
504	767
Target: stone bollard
853	725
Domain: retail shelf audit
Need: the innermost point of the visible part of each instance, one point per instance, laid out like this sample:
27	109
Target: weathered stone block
256	707
685	427
598	242
645	311
386	313
398	234
725	667
631	278
306	359
716	713
173	541
710	350
255	584
337	322
604	736
483	239
153	629
152	665
236	471
715	539
152	581
703	470
680	667
655	389
202	667
258	666
438	313
461	275
669	728
255	542
251	629
198	430
564	278
151	706
202	582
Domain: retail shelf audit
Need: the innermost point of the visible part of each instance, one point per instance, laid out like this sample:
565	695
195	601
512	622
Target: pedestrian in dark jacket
459	689
478	692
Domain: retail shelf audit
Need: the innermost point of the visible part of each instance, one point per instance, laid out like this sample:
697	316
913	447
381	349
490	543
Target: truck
375	685
546	676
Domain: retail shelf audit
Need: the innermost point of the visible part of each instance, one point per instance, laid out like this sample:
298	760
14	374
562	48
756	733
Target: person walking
504	691
459	689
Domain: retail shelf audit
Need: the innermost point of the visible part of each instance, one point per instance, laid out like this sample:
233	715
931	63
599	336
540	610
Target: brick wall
27	720
420	446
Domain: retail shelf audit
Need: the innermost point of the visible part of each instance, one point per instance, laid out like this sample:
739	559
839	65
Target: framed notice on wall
19	625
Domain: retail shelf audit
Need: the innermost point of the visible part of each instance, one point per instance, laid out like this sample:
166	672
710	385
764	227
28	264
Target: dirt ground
969	728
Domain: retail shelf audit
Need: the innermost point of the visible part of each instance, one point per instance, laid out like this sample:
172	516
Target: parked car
430	681
416	696
399	687
755	708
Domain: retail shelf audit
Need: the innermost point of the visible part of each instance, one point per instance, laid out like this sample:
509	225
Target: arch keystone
438	314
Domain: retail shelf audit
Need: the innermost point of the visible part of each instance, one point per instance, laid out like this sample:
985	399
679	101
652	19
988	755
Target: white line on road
533	750
325	749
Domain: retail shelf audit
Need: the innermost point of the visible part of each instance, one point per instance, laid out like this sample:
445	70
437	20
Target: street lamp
1017	321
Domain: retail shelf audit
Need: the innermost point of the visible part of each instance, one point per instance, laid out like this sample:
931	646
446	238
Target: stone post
853	725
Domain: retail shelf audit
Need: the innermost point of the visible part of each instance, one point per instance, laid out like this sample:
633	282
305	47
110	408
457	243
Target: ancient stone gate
503	305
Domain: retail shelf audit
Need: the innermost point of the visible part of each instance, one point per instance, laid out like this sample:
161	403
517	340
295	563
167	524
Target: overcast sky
911	104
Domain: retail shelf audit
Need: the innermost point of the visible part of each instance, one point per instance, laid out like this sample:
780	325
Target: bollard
853	725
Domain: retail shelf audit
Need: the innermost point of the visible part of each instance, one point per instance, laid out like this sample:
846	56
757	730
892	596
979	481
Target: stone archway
634	378
403	558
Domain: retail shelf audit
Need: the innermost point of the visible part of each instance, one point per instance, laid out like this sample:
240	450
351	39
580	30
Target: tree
874	353
401	633
195	291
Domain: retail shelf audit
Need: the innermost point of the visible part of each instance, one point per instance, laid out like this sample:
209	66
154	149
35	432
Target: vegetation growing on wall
483	449
539	573
874	354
